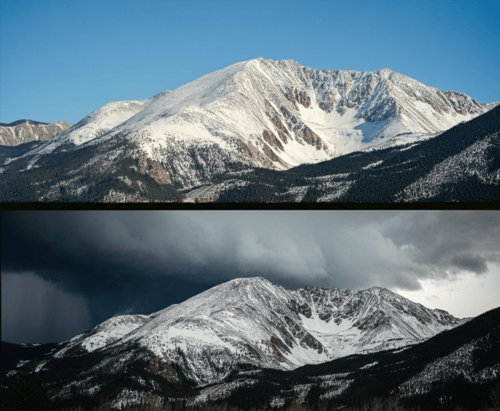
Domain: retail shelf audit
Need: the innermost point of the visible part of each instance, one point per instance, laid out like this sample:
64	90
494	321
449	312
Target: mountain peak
266	325
385	72
248	281
377	289
263	113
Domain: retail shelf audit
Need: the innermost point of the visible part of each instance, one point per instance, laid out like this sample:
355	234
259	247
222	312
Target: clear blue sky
61	60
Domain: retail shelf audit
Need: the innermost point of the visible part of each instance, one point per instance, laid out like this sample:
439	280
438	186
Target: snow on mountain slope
272	114
280	114
244	320
103	334
348	321
253	321
24	131
97	123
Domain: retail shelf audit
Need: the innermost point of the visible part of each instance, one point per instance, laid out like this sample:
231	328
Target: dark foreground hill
456	369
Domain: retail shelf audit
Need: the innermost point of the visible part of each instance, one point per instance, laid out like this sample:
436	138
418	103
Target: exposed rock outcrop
153	168
271	139
298	96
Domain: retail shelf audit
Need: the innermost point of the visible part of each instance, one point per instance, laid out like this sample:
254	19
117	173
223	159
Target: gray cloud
344	249
447	242
33	308
475	264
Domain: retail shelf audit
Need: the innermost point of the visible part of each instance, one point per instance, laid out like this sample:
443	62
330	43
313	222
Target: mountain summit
251	321
243	343
258	113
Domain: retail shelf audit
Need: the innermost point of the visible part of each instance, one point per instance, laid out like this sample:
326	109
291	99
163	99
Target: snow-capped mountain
24	131
247	336
264	113
460	164
268	325
251	321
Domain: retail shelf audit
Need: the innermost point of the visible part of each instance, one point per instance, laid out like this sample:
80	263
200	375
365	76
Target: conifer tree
22	398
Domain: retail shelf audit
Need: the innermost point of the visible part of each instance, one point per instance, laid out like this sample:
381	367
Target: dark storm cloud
475	264
108	253
93	253
448	241
33	310
117	261
125	262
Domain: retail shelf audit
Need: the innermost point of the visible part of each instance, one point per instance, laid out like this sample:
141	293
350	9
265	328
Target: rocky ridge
24	131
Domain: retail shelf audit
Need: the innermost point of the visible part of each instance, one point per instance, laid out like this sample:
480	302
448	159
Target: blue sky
61	60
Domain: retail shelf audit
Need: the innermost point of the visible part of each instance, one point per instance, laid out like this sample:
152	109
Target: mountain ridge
214	358
252	321
262	113
25	131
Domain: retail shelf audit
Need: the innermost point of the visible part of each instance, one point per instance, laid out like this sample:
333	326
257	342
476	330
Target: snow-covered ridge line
105	333
97	123
250	320
265	113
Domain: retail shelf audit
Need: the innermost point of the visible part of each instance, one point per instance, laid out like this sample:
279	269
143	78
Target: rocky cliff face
24	131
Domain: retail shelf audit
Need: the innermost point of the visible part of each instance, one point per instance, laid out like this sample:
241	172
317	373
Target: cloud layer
104	253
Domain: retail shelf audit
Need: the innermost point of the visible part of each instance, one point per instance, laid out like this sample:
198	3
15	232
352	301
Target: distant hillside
23	121
25	131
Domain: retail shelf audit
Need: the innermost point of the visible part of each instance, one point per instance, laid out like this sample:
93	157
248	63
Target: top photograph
250	102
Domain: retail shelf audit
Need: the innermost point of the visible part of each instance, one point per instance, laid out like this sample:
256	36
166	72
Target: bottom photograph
250	310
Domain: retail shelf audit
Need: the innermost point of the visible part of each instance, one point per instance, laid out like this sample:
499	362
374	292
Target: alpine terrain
241	333
260	113
24	131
